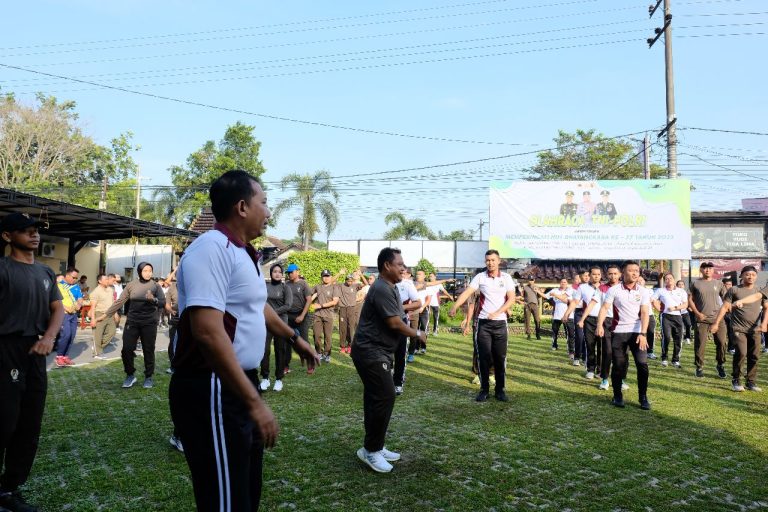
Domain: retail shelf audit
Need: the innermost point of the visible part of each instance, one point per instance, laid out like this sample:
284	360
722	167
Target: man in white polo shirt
216	409
562	298
497	295
670	301
588	320
631	308
604	346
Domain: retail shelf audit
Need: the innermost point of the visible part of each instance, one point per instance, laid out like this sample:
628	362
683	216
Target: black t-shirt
374	341
746	318
26	293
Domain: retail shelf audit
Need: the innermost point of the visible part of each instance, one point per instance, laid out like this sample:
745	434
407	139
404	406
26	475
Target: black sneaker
645	404
501	396
482	396
13	501
699	372
720	371
617	402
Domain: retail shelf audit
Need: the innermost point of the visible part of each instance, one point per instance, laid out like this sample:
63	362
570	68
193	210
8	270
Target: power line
727	168
717	130
248	66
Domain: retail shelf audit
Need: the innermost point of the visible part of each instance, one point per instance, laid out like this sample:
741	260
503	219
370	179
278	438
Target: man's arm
508	304
94	302
426	303
307	303
692	306
465	295
645	311
208	325
601	316
724	309
748	300
467	322
585	314
396	324
45	344
764	325
412	306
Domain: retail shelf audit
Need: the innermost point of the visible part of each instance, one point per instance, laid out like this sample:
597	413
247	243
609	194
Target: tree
586	156
42	144
238	149
315	196
405	228
456	234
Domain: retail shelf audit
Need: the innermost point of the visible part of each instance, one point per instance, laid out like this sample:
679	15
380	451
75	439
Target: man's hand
714	328
42	347
452	312
423	337
93	323
642	342
494	315
580	323
599	330
299	319
266	422
738	304
306	353
701	316
117	319
764	325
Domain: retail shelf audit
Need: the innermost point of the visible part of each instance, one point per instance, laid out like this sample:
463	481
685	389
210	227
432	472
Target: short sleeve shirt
219	272
600	299
529	294
560	306
746	318
26	293
706	297
374	341
407	290
626	306
422	295
584	295
493	292
299	293
104	298
671	298
348	294
434	292
325	294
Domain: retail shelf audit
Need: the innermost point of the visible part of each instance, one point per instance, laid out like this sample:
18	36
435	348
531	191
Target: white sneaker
604	384
590	375
624	386
676	364
176	443
687	341
398	390
389	456
278	385
664	363
374	460
576	362
264	385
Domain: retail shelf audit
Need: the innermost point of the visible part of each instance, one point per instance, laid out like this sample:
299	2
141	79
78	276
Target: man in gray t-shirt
704	301
745	321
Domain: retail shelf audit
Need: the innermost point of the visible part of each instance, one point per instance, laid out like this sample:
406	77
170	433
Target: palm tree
315	196
406	229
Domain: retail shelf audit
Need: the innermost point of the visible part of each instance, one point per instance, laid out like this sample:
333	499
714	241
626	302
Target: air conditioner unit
47	250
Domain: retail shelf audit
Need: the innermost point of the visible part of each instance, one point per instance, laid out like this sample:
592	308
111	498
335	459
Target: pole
480	235
676	266
646	157
670	81
102	245
138	191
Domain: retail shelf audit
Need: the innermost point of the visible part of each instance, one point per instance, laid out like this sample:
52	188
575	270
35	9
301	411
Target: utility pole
103	206
138	191
482	223
670	128
646	157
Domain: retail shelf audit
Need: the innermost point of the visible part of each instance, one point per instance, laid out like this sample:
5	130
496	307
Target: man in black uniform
568	208
376	339
32	316
605	207
300	302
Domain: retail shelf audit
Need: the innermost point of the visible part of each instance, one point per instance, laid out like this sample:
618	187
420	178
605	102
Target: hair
100	276
83	277
612	265
627	263
71	270
387	255
680	281
228	190
748	268
595	267
727	280
583	271
492	251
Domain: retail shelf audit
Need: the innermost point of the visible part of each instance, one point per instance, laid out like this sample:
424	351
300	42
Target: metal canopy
80	224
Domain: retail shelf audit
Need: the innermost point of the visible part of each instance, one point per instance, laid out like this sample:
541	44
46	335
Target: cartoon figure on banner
605	206
568	208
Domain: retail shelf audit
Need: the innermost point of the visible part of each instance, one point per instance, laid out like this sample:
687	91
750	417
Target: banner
599	220
728	241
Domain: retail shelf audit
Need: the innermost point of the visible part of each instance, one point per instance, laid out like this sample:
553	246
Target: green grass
557	445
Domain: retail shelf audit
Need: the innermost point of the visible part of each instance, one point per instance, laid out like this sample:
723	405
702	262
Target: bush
311	263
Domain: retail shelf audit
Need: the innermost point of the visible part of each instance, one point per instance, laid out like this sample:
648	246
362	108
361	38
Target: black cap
17	222
706	264
569	192
325	273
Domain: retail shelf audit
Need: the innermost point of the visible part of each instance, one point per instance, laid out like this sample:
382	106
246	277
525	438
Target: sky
384	95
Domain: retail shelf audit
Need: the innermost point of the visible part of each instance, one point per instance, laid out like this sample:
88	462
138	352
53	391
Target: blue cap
292	268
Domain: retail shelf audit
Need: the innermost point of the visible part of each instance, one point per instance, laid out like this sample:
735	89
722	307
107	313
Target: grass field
557	445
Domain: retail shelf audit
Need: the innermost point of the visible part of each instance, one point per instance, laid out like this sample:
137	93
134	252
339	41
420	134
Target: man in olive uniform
325	297
605	207
568	208
348	312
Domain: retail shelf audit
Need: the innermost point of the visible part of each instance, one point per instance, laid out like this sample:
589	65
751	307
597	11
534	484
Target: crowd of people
226	319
